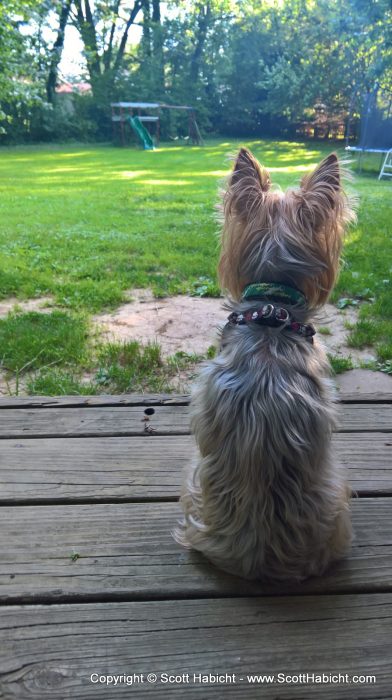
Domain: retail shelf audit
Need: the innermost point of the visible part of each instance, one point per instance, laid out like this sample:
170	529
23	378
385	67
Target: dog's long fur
265	499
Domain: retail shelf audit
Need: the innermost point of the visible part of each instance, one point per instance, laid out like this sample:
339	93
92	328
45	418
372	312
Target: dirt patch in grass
10	386
178	323
336	322
41	304
184	327
189	324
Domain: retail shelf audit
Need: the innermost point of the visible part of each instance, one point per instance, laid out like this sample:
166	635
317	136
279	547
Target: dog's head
294	237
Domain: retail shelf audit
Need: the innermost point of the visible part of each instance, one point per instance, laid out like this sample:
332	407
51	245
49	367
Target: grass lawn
85	223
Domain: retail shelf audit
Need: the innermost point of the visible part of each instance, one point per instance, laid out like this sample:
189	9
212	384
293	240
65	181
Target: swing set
134	114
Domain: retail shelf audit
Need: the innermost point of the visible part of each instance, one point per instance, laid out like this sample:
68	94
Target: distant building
65	92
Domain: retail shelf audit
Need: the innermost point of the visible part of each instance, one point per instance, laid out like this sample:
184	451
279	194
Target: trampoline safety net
375	121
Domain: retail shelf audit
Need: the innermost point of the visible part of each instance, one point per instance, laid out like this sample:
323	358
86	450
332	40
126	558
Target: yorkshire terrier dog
265	499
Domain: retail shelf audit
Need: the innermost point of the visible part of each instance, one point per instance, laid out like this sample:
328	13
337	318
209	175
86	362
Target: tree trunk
107	56
157	38
202	27
88	34
138	4
156	11
55	55
147	27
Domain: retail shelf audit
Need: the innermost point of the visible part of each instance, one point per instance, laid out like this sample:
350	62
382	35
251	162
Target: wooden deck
91	581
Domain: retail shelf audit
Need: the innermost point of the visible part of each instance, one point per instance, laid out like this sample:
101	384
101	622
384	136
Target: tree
105	33
248	67
19	67
151	59
285	56
57	49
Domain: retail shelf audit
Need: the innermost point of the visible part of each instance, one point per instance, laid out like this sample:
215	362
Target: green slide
142	133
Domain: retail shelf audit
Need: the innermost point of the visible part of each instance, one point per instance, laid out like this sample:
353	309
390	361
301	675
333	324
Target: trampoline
375	125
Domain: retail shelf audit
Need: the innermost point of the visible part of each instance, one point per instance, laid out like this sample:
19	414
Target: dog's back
264	499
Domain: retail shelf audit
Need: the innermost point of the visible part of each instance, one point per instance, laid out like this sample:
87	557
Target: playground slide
142	133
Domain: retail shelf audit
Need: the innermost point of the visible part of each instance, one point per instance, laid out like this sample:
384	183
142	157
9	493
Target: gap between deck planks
330	634
343	395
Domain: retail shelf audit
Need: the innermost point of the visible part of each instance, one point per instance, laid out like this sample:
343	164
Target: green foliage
98	221
115	368
248	68
104	220
126	367
205	287
340	364
342	47
366	275
17	60
32	340
385	367
59	382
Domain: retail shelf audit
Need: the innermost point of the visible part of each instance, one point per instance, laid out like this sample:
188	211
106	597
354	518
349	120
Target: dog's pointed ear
247	168
246	185
324	182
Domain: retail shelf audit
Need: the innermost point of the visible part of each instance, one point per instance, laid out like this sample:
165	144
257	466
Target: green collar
274	289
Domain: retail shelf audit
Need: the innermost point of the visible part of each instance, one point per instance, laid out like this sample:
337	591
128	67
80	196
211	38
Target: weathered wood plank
126	468
129	420
367	457
365	417
51	651
97	421
98	552
48	469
